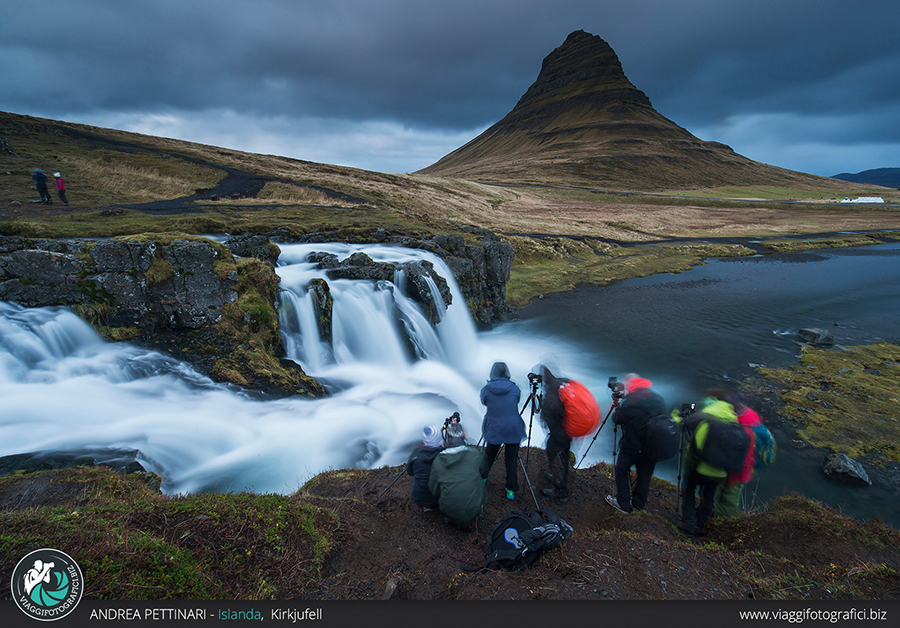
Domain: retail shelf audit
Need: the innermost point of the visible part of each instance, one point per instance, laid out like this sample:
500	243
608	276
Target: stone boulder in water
258	246
842	468
420	276
122	460
359	266
324	305
816	336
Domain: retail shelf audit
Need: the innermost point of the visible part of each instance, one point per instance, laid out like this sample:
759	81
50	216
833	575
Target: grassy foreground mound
332	540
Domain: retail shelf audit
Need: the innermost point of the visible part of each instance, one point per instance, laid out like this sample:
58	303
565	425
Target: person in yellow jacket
702	476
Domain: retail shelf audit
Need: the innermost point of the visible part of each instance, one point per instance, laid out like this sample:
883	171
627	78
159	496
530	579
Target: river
391	373
712	325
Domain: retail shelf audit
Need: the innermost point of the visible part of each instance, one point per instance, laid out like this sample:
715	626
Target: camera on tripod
450	420
687	409
453	432
617	388
534	379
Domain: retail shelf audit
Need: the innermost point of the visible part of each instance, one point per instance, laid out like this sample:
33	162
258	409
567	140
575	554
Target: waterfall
374	323
391	372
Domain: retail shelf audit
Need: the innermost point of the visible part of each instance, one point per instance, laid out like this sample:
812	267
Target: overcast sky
394	85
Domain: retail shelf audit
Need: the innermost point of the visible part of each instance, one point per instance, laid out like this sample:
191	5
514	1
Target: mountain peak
583	123
586	62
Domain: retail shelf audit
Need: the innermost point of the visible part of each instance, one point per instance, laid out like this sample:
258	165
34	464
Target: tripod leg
595	437
530	487
678	476
399	475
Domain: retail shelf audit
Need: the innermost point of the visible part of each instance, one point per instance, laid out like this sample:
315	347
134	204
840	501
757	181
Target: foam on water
390	371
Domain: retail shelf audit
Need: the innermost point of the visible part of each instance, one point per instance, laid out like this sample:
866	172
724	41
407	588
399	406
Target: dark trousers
693	518
511	457
558	447
62	196
45	194
644	467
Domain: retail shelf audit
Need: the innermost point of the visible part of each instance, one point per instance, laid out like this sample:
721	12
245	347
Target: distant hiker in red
641	403
61	188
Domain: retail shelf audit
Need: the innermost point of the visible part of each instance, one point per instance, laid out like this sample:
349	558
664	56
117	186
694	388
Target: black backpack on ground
660	438
520	537
726	446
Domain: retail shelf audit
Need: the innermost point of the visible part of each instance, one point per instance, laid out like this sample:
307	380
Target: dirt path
237	184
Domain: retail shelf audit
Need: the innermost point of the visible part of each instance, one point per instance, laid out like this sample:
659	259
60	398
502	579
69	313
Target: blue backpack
765	448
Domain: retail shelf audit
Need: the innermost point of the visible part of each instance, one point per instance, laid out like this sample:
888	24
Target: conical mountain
584	123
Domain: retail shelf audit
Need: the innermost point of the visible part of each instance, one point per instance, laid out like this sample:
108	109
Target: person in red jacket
640	404
61	188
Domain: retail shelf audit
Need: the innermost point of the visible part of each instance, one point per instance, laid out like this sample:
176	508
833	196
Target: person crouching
457	482
419	467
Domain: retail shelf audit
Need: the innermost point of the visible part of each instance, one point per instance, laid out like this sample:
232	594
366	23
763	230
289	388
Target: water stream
391	372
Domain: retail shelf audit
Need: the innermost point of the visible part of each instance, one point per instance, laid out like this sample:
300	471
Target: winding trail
236	184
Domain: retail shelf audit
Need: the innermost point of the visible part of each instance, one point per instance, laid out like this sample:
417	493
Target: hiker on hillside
701	474
419	467
502	425
728	495
61	188
40	182
457	483
641	403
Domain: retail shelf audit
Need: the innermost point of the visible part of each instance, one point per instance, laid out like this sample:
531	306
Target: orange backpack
582	414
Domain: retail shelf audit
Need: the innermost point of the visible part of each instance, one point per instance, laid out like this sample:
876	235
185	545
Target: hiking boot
691	531
510	494
612	501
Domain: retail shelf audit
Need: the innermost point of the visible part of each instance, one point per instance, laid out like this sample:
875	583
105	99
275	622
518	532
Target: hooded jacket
457	483
713	410
638	407
419	467
502	423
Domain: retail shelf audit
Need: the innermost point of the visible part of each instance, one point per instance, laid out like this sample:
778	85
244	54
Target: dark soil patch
393	547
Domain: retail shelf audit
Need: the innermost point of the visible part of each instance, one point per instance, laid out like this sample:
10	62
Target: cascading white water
390	370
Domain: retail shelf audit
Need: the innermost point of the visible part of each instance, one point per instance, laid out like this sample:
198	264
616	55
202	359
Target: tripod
615	404
686	410
536	402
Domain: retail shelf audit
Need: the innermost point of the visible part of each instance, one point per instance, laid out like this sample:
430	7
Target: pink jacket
748	418
60	184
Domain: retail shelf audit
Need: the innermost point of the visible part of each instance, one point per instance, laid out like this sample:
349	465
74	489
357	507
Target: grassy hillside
124	183
583	123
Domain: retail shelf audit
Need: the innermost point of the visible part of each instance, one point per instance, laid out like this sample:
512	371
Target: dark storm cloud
715	67
399	60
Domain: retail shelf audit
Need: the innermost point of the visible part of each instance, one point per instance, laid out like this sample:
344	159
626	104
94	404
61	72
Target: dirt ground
641	222
392	548
530	215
